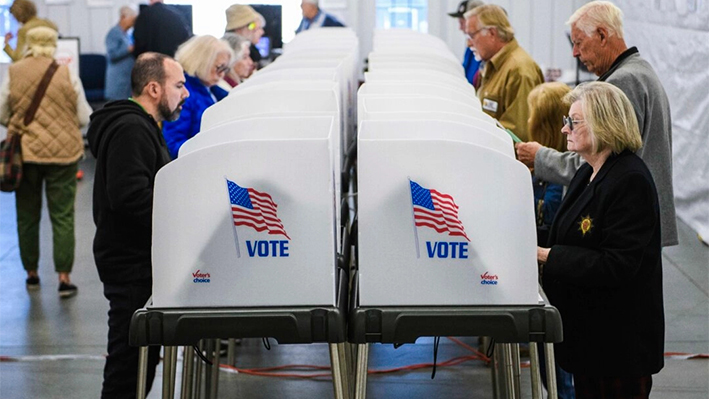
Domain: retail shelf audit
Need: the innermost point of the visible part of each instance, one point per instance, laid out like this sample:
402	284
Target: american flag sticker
436	211
254	209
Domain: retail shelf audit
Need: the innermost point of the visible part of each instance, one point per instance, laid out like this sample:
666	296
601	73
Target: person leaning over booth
509	73
25	12
205	60
126	140
52	147
314	17
597	36
602	266
119	46
246	22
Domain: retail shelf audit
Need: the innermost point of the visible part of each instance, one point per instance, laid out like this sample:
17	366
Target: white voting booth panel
465	94
416	75
208	208
478	192
409	52
266	75
277	126
272	97
375	66
383	103
424	59
442	125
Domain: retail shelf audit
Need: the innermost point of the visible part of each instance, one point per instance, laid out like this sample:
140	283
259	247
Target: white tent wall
674	37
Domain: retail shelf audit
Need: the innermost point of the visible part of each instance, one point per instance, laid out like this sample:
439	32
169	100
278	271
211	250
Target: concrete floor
57	346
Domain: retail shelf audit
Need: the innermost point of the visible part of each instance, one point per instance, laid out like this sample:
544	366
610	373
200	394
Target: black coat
129	150
161	29
604	271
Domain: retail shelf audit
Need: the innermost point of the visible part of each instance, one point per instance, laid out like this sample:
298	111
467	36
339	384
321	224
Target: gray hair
197	55
313	2
237	43
493	16
127	11
598	14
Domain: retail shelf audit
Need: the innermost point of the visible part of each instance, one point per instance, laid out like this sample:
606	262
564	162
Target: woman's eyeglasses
568	121
222	68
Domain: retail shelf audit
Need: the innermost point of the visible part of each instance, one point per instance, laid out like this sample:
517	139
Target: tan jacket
19	51
53	137
508	78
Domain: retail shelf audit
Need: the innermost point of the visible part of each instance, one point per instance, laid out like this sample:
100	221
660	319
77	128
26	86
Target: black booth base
506	324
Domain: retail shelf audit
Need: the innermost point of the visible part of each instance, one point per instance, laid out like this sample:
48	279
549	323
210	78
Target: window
406	14
8	23
209	18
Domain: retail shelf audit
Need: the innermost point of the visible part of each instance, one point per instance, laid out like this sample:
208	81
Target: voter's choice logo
489	279
200	277
257	210
438	211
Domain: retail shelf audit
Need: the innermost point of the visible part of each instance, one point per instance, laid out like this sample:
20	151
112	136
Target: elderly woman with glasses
243	64
603	268
205	60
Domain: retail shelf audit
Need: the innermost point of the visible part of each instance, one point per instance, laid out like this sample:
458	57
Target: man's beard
166	114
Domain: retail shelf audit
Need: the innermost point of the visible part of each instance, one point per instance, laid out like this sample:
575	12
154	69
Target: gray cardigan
636	78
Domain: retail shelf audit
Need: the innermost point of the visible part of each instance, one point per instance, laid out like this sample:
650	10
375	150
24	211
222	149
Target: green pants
60	188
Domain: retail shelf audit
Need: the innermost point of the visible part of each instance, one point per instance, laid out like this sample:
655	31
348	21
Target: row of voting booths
257	222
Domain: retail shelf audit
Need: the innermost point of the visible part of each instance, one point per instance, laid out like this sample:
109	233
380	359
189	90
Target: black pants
598	387
120	375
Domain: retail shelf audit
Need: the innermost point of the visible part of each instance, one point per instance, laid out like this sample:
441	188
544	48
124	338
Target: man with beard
126	139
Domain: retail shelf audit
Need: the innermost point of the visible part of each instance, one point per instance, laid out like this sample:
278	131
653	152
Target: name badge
489	105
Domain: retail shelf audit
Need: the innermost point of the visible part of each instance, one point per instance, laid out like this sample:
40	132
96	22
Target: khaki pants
60	188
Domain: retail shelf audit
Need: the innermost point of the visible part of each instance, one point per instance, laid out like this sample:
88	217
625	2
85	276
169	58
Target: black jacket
129	150
161	29
604	271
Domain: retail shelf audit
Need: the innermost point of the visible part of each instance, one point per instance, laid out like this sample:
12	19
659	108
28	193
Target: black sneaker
32	282
67	290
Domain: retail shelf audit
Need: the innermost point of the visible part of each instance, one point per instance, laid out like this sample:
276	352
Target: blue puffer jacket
187	126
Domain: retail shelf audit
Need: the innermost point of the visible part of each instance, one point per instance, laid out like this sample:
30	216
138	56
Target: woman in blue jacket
205	60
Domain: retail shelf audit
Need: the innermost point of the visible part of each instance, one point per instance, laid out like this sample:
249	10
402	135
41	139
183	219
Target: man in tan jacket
51	149
509	74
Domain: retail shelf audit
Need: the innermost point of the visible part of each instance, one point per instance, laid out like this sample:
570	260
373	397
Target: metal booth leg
169	365
551	370
142	372
197	389
231	352
534	371
339	371
215	370
508	370
516	370
187	373
361	372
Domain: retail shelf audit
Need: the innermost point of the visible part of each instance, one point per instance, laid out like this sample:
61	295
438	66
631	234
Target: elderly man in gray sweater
597	36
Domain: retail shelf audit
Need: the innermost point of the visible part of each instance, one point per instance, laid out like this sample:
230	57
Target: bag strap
39	94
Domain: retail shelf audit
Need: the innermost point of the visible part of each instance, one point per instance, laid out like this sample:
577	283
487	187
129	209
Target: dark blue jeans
120	375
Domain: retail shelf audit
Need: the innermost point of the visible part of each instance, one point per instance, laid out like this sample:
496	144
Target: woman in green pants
51	148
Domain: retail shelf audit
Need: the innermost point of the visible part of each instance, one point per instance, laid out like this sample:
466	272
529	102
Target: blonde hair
546	110
609	116
493	16
198	54
598	14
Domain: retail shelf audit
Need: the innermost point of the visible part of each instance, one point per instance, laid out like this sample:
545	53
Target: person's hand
8	37
542	255
526	152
